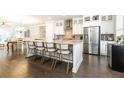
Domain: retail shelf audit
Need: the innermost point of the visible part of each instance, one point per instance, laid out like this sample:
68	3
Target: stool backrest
50	45
39	44
62	46
31	43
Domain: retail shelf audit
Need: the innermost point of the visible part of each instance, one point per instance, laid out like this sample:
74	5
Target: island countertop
60	41
68	41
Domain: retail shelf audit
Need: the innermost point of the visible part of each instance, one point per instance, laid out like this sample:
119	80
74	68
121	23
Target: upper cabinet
77	26
107	24
91	20
59	27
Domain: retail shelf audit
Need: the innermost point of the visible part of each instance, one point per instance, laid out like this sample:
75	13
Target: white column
50	27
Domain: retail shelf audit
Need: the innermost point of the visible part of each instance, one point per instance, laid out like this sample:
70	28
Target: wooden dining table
11	45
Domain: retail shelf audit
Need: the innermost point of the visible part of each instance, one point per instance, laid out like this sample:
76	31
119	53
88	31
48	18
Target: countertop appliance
92	40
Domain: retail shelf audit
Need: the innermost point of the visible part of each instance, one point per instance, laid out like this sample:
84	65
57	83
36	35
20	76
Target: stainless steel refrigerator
91	39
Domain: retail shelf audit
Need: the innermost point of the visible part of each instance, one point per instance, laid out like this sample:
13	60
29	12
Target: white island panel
77	56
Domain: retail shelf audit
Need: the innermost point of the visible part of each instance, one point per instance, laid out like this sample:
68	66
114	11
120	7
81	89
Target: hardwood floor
15	65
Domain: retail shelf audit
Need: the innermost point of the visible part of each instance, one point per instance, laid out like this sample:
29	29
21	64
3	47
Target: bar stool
39	49
64	53
50	51
31	47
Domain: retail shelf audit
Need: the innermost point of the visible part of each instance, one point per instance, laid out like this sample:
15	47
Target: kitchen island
77	49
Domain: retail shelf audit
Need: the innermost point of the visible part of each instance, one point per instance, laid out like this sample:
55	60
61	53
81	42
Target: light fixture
3	22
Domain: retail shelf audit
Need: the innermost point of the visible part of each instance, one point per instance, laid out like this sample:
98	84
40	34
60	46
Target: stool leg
61	57
58	55
55	64
28	50
67	68
53	61
42	58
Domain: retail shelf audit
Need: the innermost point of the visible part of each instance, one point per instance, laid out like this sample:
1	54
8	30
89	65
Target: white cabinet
108	26
91	20
59	27
103	48
77	26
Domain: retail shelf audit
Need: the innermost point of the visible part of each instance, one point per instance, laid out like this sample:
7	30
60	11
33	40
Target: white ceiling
33	19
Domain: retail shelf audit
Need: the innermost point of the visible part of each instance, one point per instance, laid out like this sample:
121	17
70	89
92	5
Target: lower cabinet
103	48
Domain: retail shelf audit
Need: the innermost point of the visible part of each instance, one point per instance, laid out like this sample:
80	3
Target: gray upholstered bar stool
64	53
50	51
40	49
31	47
